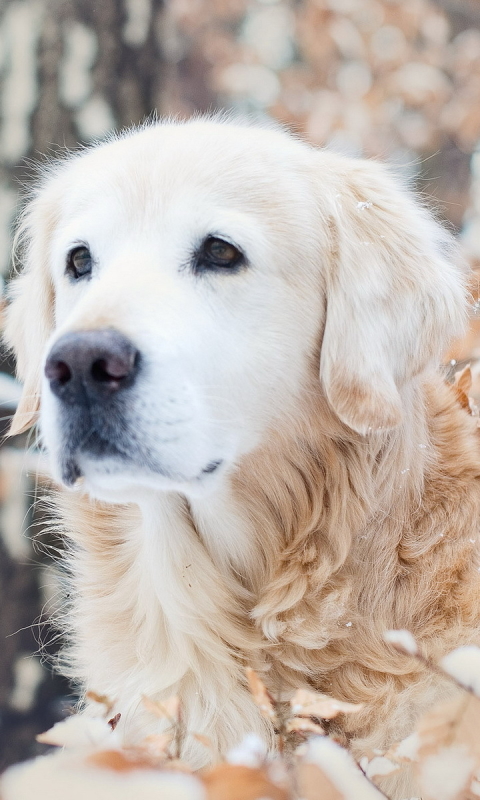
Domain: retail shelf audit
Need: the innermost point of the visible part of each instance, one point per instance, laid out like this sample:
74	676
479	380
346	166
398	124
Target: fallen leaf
304	725
462	385
261	696
115	760
313	784
313	704
380	766
113	722
449	734
235	782
406	751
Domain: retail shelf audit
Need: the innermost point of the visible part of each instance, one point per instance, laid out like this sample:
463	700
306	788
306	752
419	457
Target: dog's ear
29	316
394	296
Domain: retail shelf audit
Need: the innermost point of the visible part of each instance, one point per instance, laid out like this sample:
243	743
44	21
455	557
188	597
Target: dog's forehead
245	166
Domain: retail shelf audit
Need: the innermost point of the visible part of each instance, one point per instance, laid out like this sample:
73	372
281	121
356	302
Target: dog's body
244	511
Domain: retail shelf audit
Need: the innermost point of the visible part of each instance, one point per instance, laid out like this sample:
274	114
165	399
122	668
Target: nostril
102	372
58	371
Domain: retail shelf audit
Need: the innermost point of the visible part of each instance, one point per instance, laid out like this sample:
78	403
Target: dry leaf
454	722
449	743
167	709
340	769
235	782
304	725
380	766
313	784
116	760
176	765
406	751
462	385
313	704
114	721
261	696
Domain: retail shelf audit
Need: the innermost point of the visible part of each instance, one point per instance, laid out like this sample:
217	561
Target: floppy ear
394	296
30	312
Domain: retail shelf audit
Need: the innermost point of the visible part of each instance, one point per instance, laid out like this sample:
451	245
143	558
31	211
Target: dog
231	342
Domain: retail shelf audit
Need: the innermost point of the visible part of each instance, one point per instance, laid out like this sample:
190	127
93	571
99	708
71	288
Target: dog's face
179	282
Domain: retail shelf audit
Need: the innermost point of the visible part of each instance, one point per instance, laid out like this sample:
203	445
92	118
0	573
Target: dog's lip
212	467
72	471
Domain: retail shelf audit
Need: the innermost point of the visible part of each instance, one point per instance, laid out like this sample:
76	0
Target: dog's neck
276	543
289	522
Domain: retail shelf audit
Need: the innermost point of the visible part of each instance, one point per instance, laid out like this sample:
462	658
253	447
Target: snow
80	731
62	775
463	664
251	752
340	768
446	773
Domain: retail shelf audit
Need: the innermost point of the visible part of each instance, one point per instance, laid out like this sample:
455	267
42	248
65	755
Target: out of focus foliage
393	79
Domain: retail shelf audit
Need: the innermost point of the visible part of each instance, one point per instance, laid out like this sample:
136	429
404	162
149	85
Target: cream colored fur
349	501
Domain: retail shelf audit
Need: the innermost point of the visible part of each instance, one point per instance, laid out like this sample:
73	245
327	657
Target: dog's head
178	280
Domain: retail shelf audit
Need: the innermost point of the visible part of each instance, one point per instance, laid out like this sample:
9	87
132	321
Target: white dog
232	339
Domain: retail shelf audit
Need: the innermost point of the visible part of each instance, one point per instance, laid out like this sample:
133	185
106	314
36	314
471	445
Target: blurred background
397	80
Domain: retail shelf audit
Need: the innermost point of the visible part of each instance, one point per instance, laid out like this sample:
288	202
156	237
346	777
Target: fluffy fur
348	498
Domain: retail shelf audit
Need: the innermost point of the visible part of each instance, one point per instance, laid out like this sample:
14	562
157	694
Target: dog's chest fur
179	598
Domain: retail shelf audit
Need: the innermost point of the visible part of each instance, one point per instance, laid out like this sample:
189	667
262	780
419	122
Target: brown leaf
313	704
462	385
151	753
116	760
450	727
261	696
113	722
380	766
235	782
304	725
313	784
176	765
406	751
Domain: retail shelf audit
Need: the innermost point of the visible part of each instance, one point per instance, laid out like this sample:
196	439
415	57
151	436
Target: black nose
90	366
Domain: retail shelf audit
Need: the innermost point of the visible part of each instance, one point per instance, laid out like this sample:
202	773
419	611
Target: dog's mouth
125	456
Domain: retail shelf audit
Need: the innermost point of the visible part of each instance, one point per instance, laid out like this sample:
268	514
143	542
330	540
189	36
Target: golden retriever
231	340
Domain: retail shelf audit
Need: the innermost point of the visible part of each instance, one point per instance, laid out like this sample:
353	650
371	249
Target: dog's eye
217	254
79	262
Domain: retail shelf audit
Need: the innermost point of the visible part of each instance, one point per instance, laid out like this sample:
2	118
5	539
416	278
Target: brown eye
217	254
221	251
79	263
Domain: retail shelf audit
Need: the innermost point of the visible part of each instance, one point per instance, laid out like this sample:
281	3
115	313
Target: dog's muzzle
89	373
